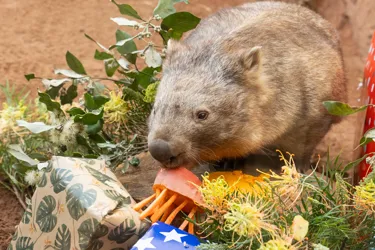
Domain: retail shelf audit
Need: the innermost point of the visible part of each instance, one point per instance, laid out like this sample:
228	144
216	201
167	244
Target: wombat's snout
161	151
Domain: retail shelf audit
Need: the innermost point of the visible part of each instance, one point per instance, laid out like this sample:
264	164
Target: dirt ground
36	34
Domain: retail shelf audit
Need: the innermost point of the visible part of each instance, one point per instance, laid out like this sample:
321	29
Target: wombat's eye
202	115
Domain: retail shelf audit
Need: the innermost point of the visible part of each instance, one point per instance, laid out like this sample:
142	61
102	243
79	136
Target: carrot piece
151	208
191	228
143	203
163	208
191	215
167	213
157	193
175	212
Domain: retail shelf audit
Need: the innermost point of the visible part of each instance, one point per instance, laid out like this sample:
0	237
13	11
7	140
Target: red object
369	83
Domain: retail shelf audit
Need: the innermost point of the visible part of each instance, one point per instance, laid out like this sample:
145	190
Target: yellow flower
249	217
215	193
9	115
300	227
115	109
150	92
364	196
277	244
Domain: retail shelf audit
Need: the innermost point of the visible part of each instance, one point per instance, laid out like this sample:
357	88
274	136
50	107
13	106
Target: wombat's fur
261	72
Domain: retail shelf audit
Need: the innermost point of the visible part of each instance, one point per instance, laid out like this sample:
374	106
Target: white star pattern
173	235
143	244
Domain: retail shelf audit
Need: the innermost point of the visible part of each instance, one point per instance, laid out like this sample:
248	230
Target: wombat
247	79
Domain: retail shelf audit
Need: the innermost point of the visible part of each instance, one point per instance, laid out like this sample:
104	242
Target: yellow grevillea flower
277	244
10	114
150	92
115	109
248	217
364	196
215	193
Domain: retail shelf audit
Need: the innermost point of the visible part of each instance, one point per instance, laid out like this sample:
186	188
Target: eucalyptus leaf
17	152
51	105
123	63
341	109
128	10
74	64
95	128
35	127
100	45
75	111
152	57
89	118
68	73
69	95
128	47
54	82
122	21
178	23
110	66
102	55
166	7
29	77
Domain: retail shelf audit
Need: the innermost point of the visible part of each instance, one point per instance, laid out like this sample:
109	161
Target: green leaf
101	46
341	109
85	232
178	23
29	77
78	201
53	92
60	178
99	176
89	102
123	232
68	97
68	73
48	84
43	181
63	238
166	7
134	161
24	243
75	111
82	141
153	58
100	100
27	215
97	138
112	194
125	22
110	65
44	217
128	47
96	128
353	164
144	77
51	105
89	118
74	64
102	55
35	127
18	153
128	10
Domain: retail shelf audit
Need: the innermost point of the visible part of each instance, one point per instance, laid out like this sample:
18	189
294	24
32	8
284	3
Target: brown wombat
247	79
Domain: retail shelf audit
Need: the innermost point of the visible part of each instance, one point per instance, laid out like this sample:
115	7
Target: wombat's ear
251	59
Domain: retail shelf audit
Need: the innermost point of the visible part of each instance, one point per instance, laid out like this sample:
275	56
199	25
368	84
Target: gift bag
79	204
369	84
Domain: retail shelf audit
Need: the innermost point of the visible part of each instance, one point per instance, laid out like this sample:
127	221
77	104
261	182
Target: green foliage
100	123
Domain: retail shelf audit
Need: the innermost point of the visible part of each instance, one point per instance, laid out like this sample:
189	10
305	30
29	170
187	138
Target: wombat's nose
160	151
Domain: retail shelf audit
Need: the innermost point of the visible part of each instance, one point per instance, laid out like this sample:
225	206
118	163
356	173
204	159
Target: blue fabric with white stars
161	236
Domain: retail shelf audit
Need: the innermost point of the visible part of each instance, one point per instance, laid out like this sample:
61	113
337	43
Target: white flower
319	247
32	177
300	228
